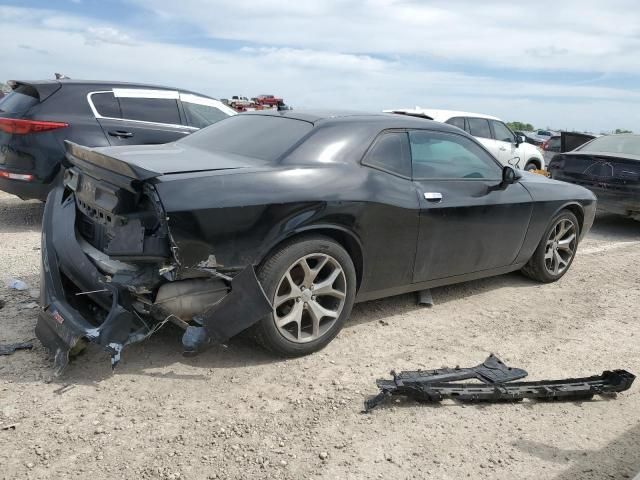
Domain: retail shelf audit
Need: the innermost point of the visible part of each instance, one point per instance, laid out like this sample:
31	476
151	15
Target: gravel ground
237	412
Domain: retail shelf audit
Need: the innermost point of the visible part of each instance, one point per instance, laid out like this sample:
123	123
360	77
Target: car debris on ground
17	284
9	349
497	385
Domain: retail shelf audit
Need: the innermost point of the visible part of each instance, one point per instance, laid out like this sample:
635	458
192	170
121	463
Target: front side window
479	127
390	152
157	110
502	132
201	116
449	156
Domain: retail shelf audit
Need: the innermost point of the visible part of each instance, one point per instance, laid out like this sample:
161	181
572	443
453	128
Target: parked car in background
240	103
542	136
609	166
492	132
550	147
37	116
269	100
328	209
529	137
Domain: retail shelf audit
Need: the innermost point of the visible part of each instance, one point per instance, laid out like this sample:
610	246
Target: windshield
622	144
258	136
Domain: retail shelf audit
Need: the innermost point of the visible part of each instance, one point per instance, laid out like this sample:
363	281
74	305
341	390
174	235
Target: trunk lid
119	212
143	162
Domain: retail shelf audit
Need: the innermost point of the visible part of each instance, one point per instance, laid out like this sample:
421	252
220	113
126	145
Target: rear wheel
556	250
311	283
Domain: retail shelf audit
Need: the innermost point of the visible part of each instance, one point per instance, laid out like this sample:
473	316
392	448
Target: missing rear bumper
80	302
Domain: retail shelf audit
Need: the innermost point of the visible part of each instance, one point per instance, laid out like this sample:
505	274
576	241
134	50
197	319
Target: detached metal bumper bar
496	386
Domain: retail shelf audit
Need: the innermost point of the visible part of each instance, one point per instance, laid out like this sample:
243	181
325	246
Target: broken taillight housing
17	126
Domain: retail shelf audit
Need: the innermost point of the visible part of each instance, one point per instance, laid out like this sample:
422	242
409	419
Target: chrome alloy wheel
561	246
309	298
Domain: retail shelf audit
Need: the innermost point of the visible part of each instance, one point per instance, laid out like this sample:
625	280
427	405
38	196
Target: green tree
520	126
622	130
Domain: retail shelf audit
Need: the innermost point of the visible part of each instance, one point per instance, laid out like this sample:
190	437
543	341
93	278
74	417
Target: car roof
104	84
439	114
340	116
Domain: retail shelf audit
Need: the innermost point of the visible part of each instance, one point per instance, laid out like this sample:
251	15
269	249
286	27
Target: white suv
492	132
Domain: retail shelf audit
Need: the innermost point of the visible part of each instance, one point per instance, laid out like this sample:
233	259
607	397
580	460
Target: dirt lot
237	412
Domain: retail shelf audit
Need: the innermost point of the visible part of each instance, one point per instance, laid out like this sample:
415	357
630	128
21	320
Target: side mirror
520	139
509	175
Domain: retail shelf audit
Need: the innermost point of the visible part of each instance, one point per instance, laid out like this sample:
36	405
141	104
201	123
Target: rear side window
390	152
449	156
19	100
456	122
201	116
157	110
479	127
106	104
258	136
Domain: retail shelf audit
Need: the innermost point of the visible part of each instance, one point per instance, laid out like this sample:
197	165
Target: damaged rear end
111	271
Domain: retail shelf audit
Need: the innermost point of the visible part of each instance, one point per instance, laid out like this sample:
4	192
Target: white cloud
577	35
96	35
307	75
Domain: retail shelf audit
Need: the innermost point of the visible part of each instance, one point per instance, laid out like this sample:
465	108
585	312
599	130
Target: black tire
537	268
531	166
271	273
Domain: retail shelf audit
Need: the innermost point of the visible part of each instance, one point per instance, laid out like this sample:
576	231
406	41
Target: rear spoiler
89	158
569	141
410	114
44	89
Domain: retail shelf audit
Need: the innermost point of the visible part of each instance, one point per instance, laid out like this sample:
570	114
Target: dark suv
36	118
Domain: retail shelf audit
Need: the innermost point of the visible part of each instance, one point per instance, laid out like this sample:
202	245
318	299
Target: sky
570	64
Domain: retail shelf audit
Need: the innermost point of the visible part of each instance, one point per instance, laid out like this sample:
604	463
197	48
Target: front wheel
556	250
311	283
531	167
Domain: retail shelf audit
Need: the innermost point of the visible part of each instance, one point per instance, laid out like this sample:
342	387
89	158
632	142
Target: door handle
503	149
121	134
435	197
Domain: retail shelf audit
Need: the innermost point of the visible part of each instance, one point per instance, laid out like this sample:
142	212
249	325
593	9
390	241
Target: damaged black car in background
609	166
279	222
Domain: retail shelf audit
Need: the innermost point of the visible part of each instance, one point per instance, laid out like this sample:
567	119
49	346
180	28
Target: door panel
473	227
507	151
126	132
509	154
468	221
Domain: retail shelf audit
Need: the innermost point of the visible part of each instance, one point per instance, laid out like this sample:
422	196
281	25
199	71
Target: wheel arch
536	161
574	208
343	236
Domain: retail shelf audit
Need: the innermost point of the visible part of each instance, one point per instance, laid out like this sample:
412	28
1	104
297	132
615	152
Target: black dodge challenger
278	222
